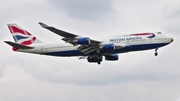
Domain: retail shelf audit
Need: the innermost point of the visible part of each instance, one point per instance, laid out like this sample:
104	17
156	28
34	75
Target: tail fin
22	36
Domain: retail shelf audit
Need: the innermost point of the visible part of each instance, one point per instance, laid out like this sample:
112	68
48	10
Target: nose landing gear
156	53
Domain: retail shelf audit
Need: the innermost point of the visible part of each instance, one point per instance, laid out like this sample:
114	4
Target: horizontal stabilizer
19	46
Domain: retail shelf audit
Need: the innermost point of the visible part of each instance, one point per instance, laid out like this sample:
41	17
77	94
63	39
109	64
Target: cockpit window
159	33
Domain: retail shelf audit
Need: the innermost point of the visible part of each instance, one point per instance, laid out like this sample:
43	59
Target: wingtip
43	25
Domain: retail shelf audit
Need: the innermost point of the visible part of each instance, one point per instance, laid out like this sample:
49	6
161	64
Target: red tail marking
10	29
14	49
14	29
29	42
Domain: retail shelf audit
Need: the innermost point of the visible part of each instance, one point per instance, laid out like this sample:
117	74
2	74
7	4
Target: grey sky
137	76
84	9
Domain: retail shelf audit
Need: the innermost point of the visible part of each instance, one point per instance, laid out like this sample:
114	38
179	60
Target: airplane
85	47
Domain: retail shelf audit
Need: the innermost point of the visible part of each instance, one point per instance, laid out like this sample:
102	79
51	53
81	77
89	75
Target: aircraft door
128	41
42	49
150	40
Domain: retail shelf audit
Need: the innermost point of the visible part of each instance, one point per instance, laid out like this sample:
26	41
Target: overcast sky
136	76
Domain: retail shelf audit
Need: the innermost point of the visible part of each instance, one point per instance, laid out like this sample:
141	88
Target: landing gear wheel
156	54
99	62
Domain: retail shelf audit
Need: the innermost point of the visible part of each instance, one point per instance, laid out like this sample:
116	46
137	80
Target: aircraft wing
57	31
69	38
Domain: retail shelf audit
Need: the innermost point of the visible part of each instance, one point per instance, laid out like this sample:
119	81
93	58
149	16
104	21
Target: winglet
18	46
43	25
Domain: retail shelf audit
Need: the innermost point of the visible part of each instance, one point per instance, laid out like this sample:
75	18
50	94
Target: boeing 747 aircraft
85	47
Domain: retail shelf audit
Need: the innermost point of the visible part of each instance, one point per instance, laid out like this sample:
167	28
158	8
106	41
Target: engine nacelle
112	57
107	47
85	40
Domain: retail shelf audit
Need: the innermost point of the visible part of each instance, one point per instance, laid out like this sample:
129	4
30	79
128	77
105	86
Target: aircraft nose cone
172	39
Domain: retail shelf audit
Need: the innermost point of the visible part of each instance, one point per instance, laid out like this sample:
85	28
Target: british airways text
125	39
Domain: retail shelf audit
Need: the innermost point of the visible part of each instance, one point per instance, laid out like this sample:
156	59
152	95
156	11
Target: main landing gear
95	59
156	53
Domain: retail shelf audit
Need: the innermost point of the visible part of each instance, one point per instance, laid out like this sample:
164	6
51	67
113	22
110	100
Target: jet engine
107	47
84	40
112	57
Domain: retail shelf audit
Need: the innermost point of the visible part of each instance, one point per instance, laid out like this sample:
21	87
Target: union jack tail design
22	36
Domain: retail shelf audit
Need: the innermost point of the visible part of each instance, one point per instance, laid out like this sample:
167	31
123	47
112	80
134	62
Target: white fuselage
130	43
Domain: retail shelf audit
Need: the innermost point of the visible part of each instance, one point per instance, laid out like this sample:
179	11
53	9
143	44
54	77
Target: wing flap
89	51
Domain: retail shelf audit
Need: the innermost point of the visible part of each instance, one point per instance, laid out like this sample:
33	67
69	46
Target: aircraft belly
62	51
141	47
65	53
128	48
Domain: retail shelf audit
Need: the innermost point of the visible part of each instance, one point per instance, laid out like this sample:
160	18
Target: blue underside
126	49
